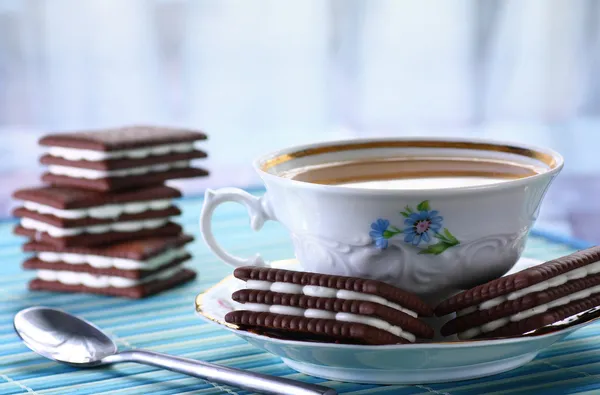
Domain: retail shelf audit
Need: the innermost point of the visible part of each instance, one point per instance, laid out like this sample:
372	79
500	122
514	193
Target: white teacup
430	216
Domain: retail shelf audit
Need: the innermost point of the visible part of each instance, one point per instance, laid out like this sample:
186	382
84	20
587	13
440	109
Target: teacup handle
258	209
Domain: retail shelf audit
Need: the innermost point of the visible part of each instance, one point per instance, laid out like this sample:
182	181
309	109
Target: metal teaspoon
62	337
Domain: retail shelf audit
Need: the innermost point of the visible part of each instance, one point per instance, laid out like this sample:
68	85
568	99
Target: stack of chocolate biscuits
548	294
320	307
104	223
326	308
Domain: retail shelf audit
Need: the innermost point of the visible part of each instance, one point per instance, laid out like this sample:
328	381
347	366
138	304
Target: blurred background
258	75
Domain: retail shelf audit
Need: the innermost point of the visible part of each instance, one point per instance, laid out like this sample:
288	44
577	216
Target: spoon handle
222	374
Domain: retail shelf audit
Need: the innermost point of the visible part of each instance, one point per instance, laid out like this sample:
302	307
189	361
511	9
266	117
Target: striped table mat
167	323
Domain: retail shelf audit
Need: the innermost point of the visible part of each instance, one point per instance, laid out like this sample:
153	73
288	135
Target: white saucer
391	364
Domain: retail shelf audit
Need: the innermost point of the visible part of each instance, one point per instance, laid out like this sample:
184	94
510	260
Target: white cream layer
330	315
323	292
126	226
493	325
95	281
104	211
578	273
104	262
138	153
91	174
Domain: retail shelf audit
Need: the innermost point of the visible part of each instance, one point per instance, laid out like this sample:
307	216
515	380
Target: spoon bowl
62	337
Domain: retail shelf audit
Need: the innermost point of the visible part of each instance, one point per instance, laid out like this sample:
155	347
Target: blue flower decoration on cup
377	233
423	225
420	224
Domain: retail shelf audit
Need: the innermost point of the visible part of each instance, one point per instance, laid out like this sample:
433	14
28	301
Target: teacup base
433	279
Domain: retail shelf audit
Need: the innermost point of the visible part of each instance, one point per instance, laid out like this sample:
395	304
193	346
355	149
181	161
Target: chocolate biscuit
123	183
358	307
70	198
122	138
518	281
117	164
134	292
22	212
88	240
312	328
139	250
366	286
37	264
545	319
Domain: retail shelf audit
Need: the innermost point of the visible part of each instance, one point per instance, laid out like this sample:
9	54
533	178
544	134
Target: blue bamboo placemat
167	323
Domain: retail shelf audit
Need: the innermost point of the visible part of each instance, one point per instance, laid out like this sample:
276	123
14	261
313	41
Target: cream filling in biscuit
330	315
103	211
137	153
323	292
466	311
493	325
561	279
96	281
91	174
126	226
105	262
